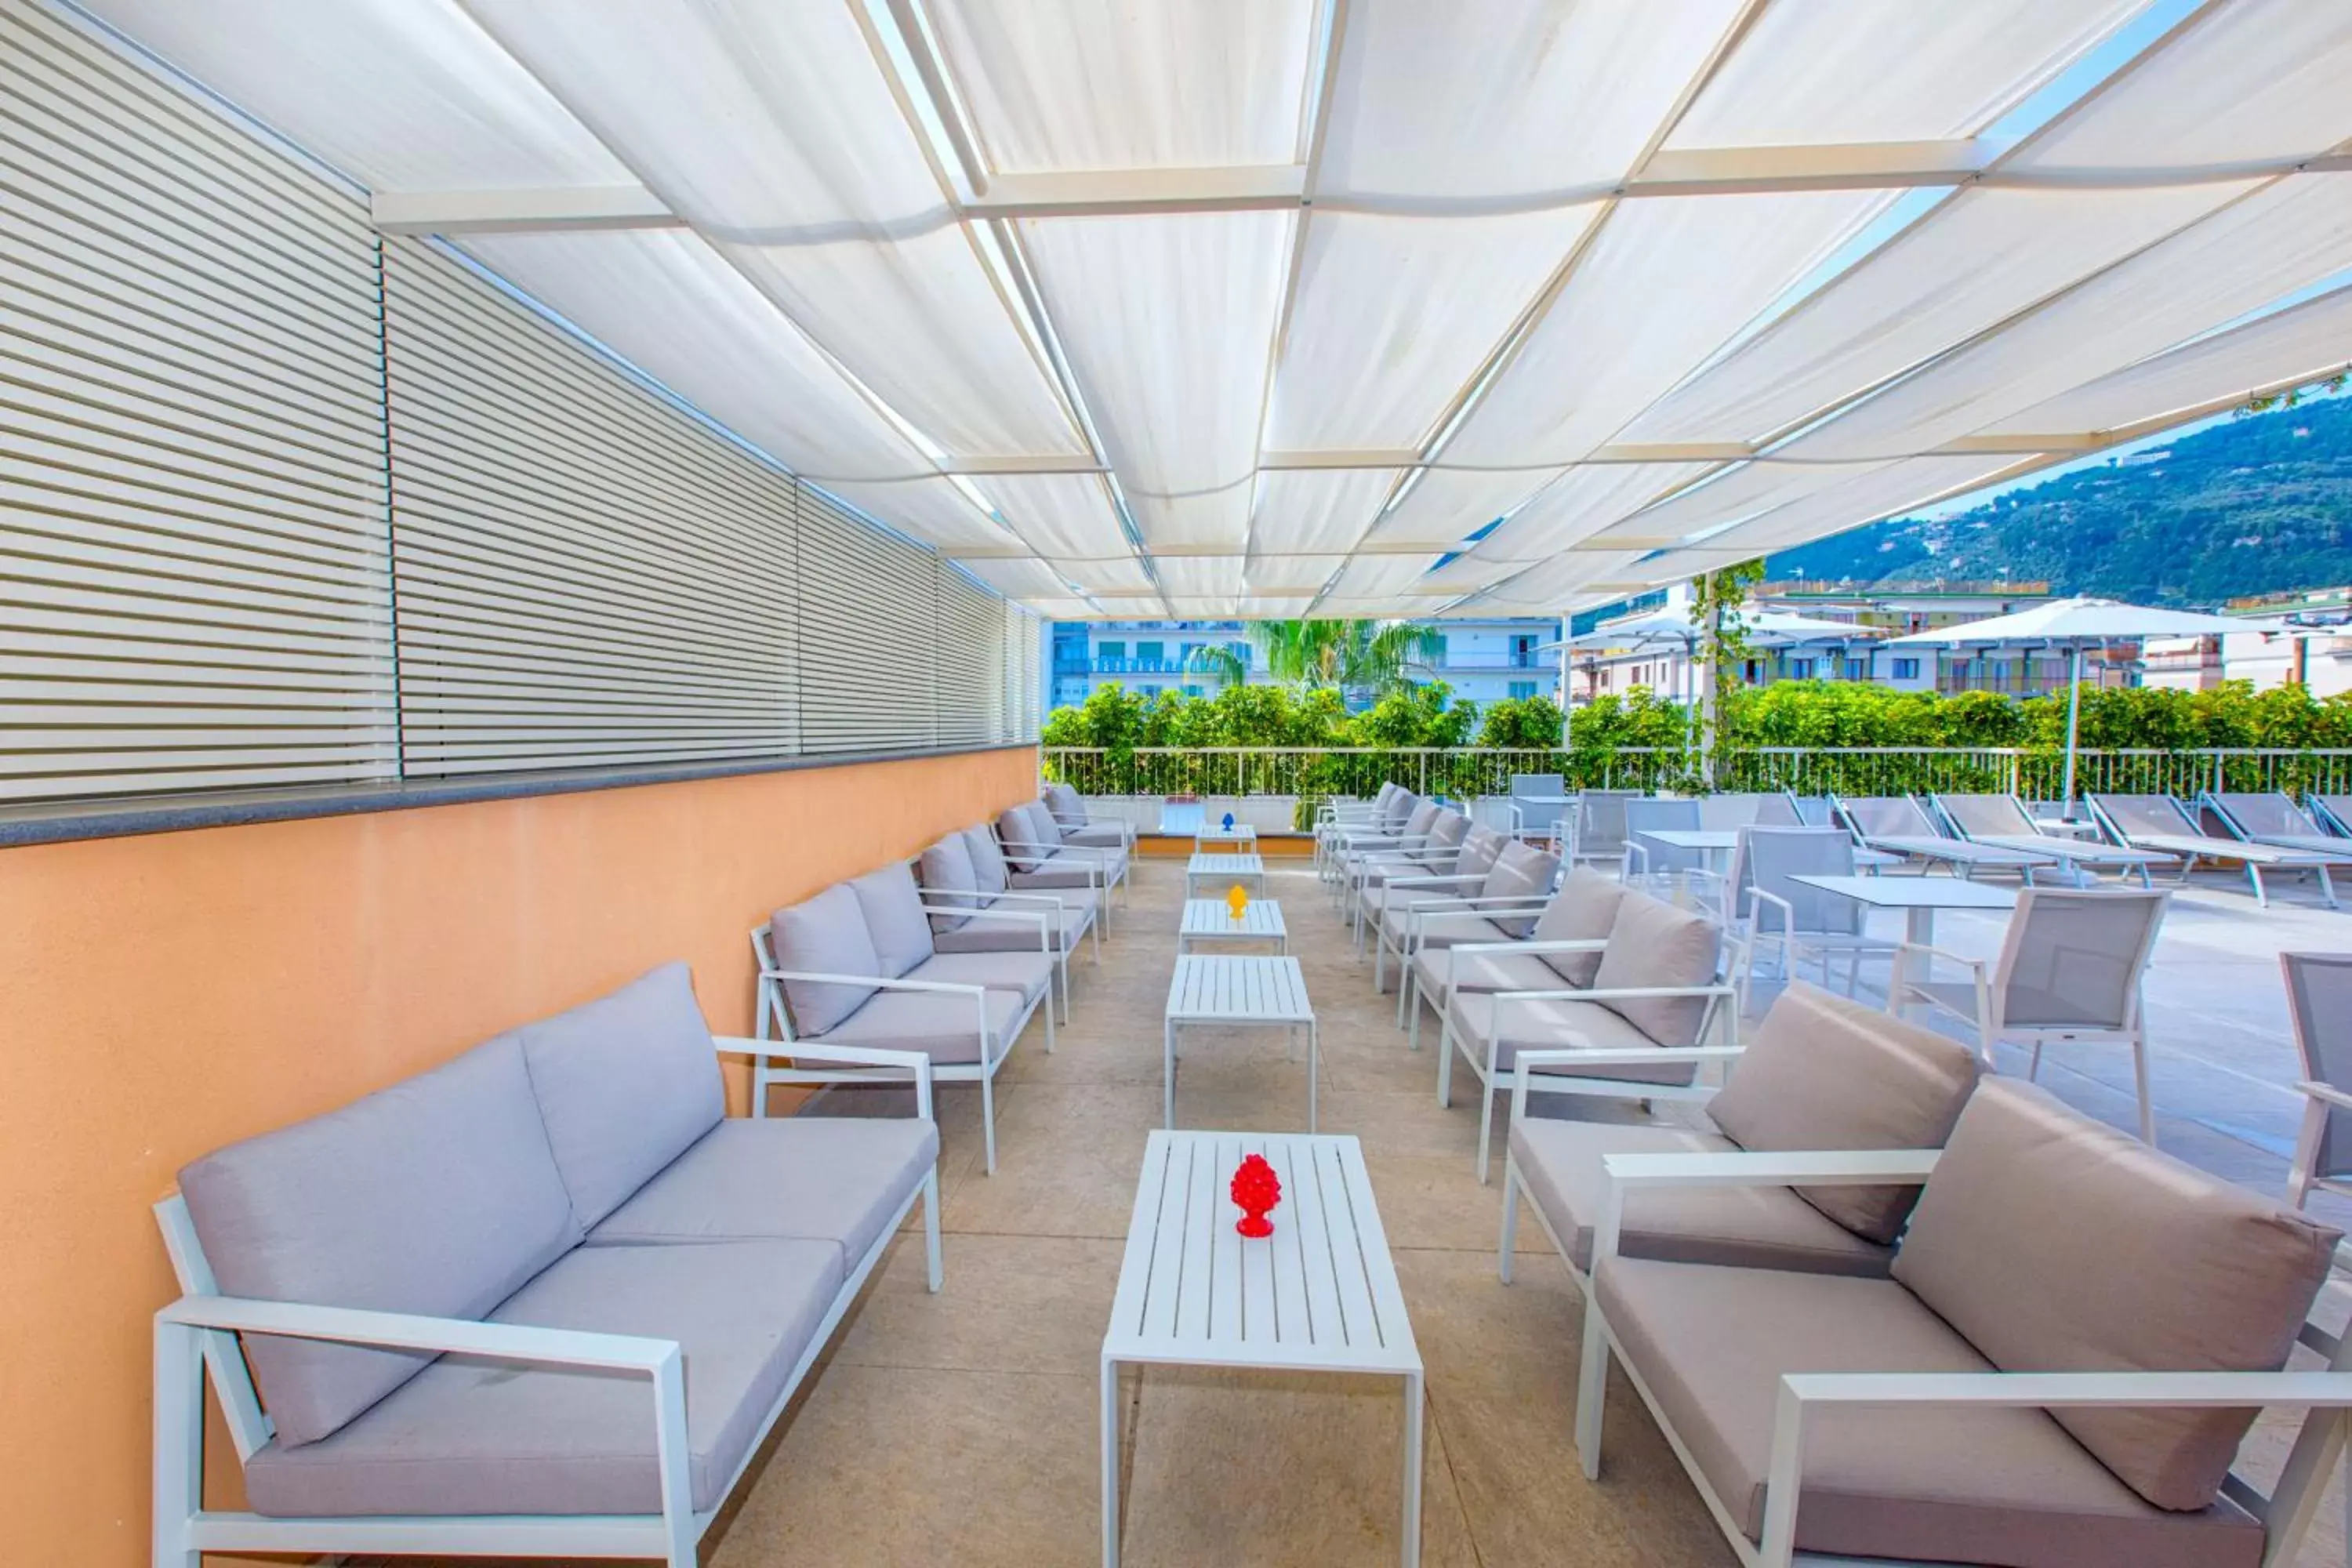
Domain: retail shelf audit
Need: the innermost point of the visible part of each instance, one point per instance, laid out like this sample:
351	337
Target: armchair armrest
417	1332
914	1063
1742	1168
1563	944
880	981
1038	918
1922	950
1529	1077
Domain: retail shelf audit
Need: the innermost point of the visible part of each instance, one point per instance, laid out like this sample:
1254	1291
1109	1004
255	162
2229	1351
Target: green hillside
2252	505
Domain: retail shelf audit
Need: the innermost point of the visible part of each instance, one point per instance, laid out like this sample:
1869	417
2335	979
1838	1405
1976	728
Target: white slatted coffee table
1319	1295
1210	920
1224	869
1240	837
1220	988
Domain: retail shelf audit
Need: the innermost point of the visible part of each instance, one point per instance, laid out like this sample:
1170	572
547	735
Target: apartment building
1482	661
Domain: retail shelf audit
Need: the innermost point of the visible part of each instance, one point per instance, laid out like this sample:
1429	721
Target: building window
1149	654
1857	669
1522	689
1107	651
1147	692
1241	652
1192	692
1907	670
1800	669
1437	649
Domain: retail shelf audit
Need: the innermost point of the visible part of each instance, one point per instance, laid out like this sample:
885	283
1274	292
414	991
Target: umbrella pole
2074	719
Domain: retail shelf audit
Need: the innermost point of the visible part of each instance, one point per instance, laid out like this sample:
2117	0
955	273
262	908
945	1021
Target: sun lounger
1899	825
2160	822
2002	821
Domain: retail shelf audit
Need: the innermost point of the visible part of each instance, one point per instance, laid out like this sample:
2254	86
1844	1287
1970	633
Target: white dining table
1918	897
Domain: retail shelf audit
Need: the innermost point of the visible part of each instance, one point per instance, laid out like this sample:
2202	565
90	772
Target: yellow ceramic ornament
1236	900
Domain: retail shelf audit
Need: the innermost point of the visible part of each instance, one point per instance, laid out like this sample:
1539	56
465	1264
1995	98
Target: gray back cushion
1480	848
988	865
1585	910
824	935
1520	871
2055	1242
1017	834
1653	944
1826	1072
894	918
436	1196
1066	801
947	868
626	1084
1446	831
1043	828
1423	814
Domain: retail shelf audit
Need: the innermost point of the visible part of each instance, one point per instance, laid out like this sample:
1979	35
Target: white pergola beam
555	208
1088	192
1705	171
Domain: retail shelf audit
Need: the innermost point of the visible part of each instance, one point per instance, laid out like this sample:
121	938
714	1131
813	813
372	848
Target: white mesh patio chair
1766	903
2320	1001
2070	969
1647	859
1539	802
1730	812
1599	820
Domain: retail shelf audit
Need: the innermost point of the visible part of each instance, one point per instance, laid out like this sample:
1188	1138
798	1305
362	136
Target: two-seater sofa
2057	1370
545	1300
860	964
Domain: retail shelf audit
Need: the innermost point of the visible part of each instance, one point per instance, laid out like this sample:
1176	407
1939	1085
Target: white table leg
1110	1462
1412	1417
1314	1060
1918	928
1168	1072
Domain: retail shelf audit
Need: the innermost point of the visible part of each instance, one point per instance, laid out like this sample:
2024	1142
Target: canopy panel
1275	307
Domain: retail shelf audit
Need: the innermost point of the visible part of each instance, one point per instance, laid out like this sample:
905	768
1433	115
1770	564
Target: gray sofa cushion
625	1084
1985	1486
894	918
1433	927
1585	910
824	935
1520	871
1747	1227
942	1025
945	868
1448	831
436	1195
1043	828
474	1436
982	933
1826	1072
1417	825
2056	1243
1556	1026
1653	944
1017	838
1435	966
1025	975
1480	848
1065	803
807	1178
988	865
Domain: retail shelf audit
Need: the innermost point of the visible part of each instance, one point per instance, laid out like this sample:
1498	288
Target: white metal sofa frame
2171	828
1103	873
1991	982
772	1009
2286	1514
1721	1015
195	1340
1421	917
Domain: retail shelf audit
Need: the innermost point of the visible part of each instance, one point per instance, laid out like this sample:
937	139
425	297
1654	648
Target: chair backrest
1777	808
1983	815
1768	859
2272	812
1674	816
2319	1001
2074	957
2130	816
1729	813
1601	820
1887	817
2333	812
1813	810
1541	799
1540	786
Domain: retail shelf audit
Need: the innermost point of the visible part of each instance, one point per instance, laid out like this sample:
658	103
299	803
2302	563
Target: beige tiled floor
961	1428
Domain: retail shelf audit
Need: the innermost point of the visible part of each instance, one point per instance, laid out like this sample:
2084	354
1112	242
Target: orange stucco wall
163	995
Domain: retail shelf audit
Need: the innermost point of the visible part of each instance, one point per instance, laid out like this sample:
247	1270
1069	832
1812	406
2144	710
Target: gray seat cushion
947	872
472	1436
1560	1025
982	933
1981	1485
624	1084
1062	872
793	1178
824	935
1438	928
2056	1243
1825	1072
436	1196
1097	835
1439	970
1025	973
942	1025
895	921
1746	1227
1583	909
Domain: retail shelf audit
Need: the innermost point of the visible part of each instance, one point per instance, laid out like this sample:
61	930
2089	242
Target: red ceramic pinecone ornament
1255	1191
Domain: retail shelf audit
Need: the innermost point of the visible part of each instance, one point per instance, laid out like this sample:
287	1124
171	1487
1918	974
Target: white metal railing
2035	772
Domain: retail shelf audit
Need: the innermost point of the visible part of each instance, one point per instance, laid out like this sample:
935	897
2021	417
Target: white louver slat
868	664
192	556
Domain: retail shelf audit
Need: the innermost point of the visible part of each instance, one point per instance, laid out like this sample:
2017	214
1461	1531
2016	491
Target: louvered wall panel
586	575
868	653
193	555
971	620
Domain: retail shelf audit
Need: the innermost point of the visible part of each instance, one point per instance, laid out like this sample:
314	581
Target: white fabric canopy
1222	308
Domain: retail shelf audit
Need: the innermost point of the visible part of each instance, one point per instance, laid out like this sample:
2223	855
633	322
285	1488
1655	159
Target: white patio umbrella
2077	623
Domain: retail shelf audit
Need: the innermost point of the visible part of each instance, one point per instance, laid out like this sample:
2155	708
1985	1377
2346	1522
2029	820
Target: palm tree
1370	657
